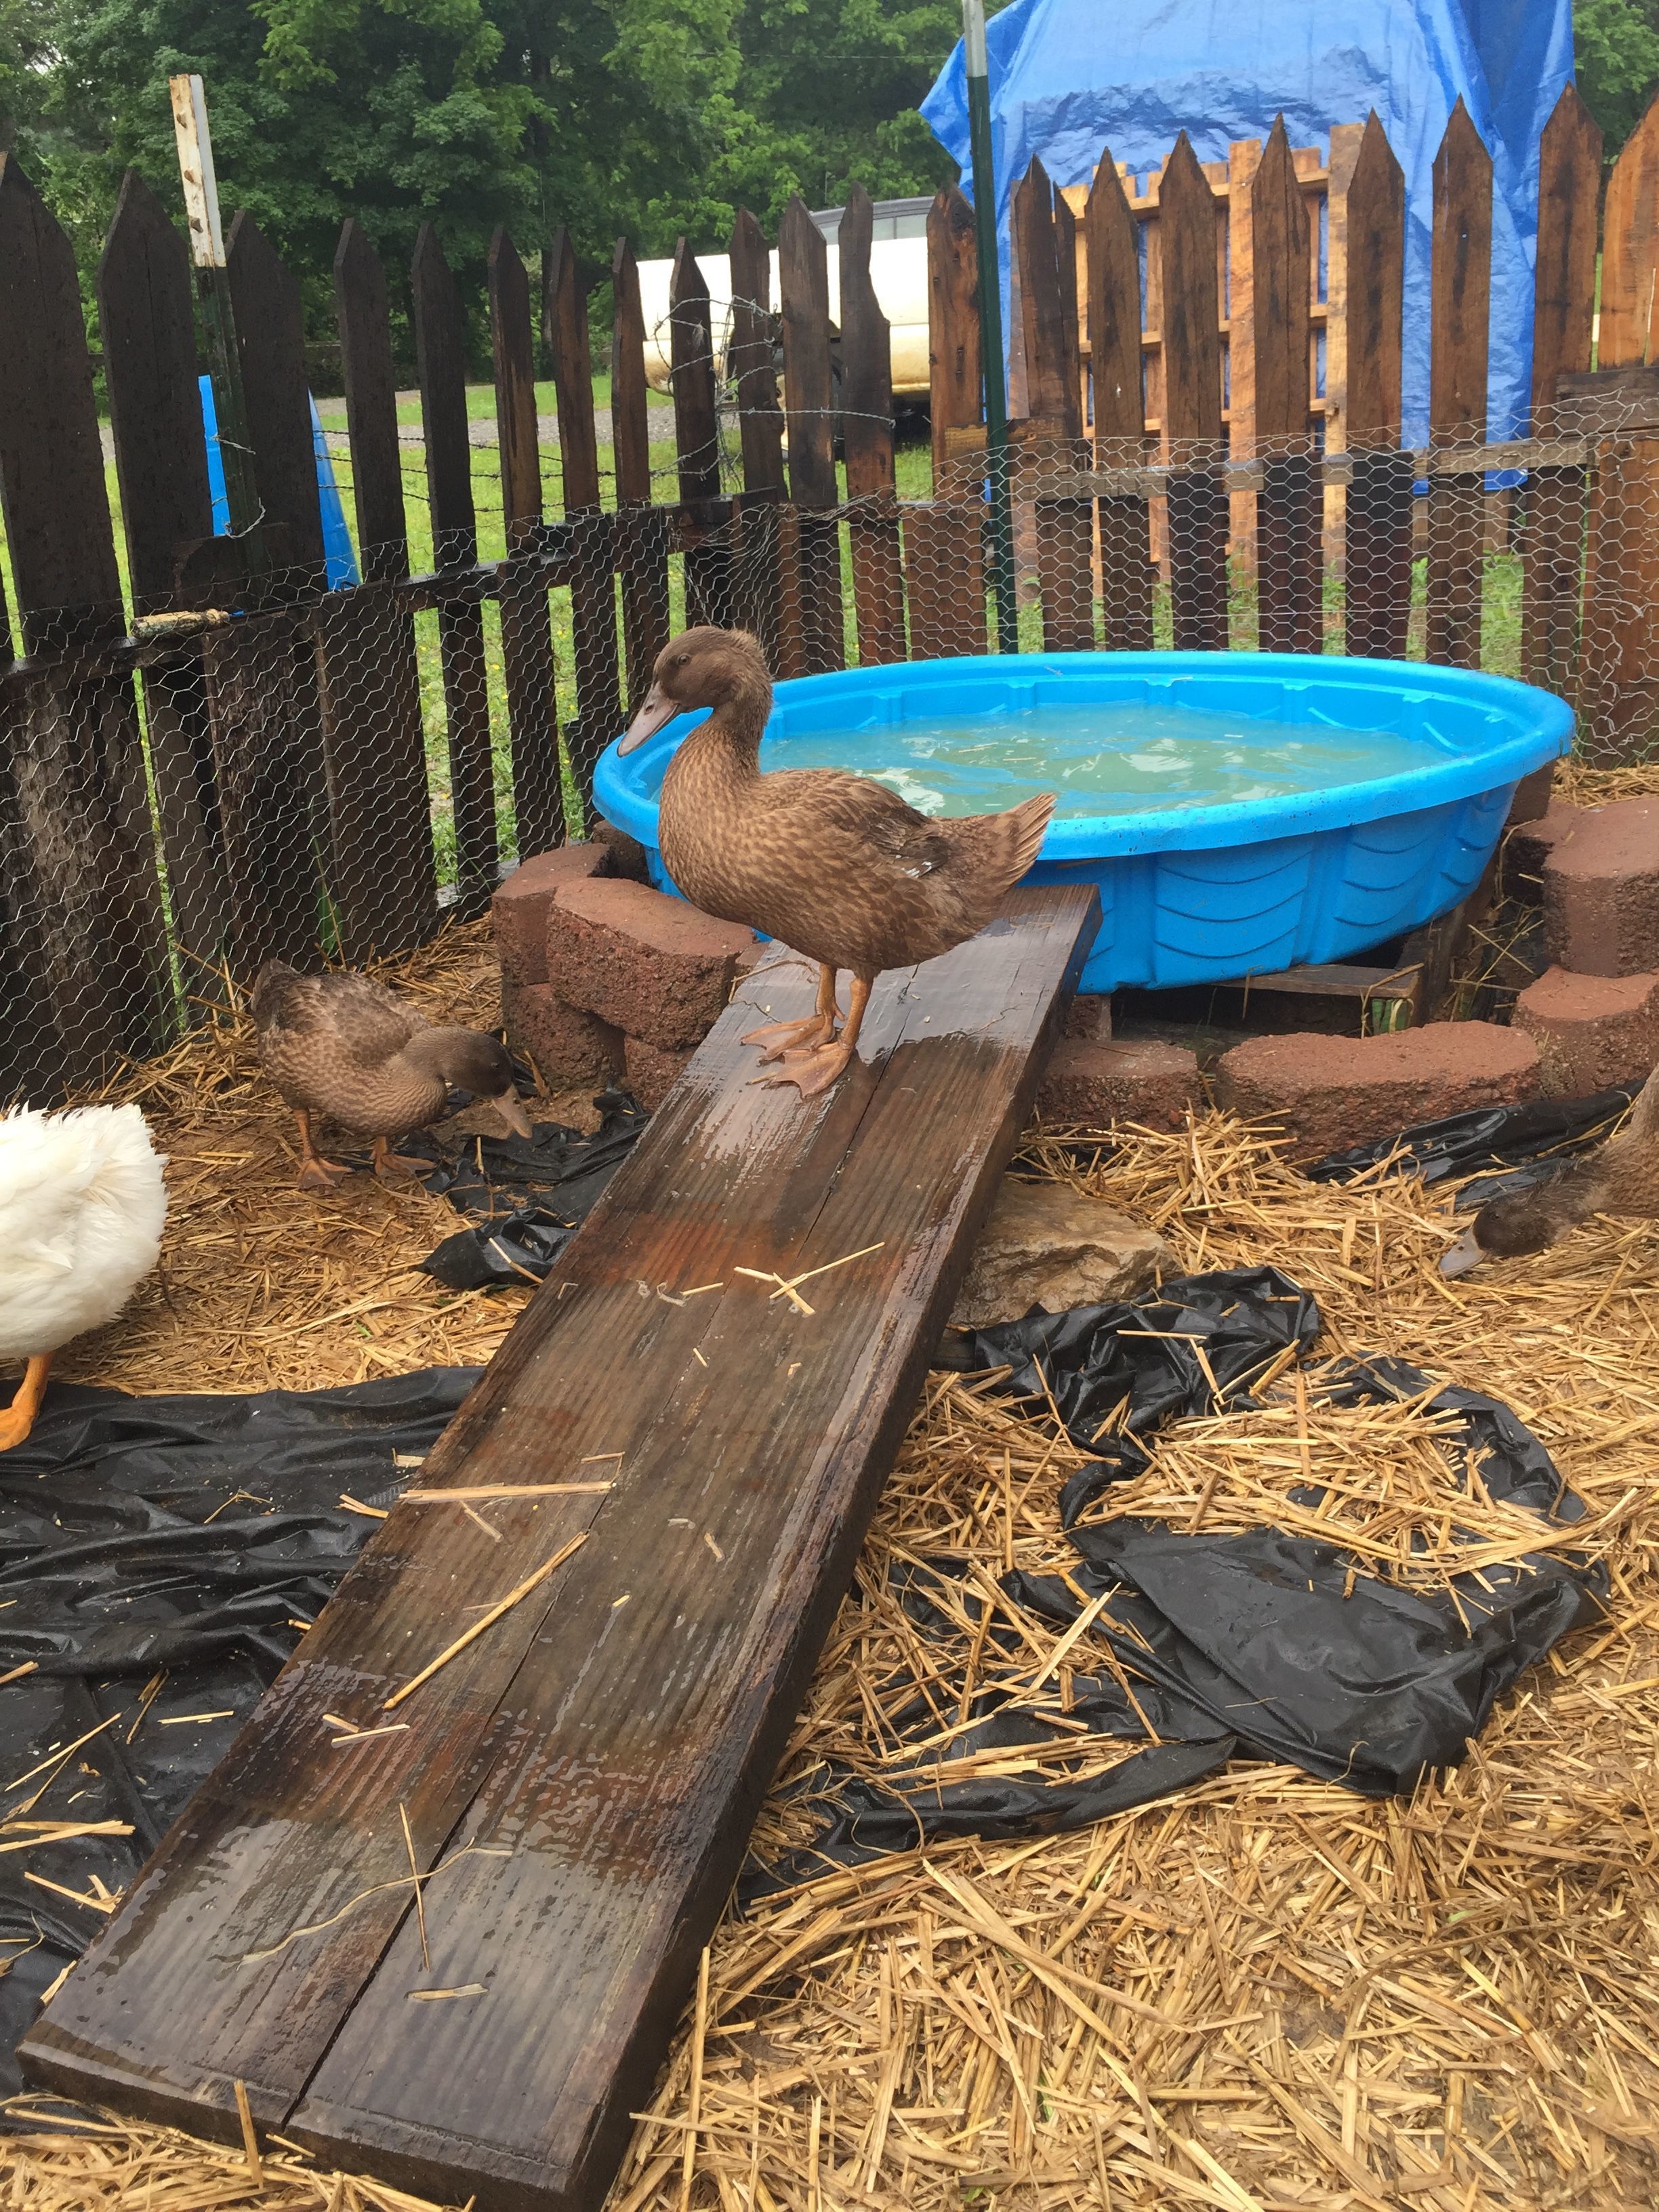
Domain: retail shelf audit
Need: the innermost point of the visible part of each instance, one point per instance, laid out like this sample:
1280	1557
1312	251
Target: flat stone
1601	886
1049	1245
650	964
519	910
567	1046
1591	1032
650	1071
1331	1092
1089	1084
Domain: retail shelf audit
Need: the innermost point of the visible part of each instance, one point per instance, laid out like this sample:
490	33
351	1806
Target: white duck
83	1203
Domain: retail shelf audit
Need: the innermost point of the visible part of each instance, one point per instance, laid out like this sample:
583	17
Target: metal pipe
990	326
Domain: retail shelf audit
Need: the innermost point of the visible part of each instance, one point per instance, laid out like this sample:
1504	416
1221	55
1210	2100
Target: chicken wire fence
329	776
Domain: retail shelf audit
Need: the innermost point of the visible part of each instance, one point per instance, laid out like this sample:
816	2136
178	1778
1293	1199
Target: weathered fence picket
1460	305
866	416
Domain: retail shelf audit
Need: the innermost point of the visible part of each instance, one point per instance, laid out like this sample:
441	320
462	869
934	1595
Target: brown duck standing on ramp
834	865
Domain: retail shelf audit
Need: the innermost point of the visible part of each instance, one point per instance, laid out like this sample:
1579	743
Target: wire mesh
326	775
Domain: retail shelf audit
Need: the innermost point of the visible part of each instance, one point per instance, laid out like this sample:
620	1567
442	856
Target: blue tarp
1071	76
341	561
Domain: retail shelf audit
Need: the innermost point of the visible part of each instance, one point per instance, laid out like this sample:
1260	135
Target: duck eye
682	660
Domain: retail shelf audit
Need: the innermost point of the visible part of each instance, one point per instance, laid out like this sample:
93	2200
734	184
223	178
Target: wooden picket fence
227	761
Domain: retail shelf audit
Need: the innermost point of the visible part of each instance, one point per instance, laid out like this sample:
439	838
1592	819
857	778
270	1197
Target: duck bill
656	711
510	1107
1462	1256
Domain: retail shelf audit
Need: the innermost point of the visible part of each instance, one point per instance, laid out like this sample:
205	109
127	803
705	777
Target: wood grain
1377	532
1112	259
1460	283
866	416
705	530
591	1742
441	356
1290	507
810	409
641	535
1197	502
1564	301
591	552
527	637
1630	249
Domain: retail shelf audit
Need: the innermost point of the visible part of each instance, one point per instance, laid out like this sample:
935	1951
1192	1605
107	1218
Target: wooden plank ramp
577	1785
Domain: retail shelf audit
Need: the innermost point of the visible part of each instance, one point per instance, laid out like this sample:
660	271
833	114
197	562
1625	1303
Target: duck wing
356	1020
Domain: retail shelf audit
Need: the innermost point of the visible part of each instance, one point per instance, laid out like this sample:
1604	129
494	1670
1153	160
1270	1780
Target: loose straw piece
470	1635
420	1901
76	1896
436	1997
255	2171
369	1512
367	1735
828	1267
182	1720
694	2105
28	1667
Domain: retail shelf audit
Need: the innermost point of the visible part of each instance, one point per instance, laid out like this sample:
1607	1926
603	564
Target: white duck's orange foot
19	1417
781	1037
811	1071
395	1167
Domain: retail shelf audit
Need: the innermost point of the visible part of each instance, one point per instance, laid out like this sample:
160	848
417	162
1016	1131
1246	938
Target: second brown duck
836	866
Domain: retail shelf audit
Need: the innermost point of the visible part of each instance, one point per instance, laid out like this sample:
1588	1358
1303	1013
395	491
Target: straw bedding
1264	1992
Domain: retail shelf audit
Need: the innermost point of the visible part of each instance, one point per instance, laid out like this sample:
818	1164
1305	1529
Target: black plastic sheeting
526	1197
1521	1146
1261	1641
188	1534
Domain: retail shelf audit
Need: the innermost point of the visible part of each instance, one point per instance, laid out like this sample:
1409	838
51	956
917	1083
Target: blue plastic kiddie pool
1239	813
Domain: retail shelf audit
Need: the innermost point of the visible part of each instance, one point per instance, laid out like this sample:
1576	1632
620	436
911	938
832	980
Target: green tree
1616	57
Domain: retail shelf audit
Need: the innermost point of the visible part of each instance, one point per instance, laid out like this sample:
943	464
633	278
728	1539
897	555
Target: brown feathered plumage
1621	1178
343	1046
837	866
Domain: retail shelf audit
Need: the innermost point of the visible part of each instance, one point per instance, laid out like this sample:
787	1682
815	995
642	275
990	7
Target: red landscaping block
1601	891
1090	1085
1334	1091
1089	1015
566	1045
654	966
627	854
519	910
650	1071
1591	1032
1530	843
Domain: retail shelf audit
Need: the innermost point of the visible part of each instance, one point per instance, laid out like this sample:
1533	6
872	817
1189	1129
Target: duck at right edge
836	866
1621	1177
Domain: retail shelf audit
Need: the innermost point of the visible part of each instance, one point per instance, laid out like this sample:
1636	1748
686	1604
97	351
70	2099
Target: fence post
1460	307
592	552
944	539
810	402
1119	409
866	416
1377	524
641	529
440	359
1290	507
704	531
766	588
1192	403
383	878
1564	299
78	871
527	642
1049	440
147	320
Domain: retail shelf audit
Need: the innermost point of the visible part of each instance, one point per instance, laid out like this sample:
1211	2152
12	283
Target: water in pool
1109	757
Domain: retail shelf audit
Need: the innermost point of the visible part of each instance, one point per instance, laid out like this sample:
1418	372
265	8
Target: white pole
190	127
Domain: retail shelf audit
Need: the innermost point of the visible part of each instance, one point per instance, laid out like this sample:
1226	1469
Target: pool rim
1543	732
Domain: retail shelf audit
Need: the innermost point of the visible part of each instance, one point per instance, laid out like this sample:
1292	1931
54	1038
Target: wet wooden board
580	1783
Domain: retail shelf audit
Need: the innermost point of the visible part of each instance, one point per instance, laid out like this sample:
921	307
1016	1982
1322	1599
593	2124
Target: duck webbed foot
315	1172
780	1039
395	1167
18	1419
812	1070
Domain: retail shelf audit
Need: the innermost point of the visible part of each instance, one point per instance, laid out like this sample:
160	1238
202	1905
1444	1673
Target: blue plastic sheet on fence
342	561
1069	76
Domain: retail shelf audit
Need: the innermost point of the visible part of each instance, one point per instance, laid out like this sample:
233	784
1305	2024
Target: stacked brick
1594	1014
604	980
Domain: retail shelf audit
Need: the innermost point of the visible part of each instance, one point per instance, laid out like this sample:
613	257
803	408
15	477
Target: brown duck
1621	1178
343	1046
834	865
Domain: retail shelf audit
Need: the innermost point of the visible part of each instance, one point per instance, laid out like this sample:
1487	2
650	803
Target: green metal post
990	327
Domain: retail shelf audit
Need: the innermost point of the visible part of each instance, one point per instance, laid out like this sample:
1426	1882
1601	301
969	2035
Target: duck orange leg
315	1172
19	1418
814	1070
779	1037
395	1167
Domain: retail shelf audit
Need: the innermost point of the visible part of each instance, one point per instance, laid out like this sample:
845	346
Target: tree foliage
1616	57
643	116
